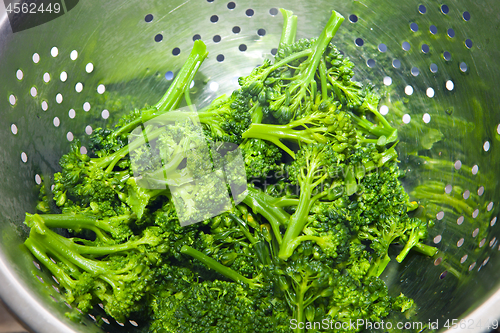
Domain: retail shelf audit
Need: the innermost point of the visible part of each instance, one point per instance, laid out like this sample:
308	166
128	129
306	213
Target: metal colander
435	62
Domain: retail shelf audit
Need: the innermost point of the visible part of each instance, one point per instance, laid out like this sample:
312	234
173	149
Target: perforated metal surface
435	63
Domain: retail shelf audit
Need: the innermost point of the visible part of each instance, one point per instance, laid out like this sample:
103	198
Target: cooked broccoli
159	221
317	127
118	276
291	87
310	170
218	306
261	158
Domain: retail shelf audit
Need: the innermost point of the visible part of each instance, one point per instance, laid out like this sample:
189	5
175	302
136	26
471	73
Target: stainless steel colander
436	63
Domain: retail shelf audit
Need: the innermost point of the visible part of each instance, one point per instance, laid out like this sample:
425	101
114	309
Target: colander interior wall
434	61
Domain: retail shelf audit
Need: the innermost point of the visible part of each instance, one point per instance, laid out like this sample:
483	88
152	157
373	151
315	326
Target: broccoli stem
74	222
69	245
218	267
309	179
387	156
289	28
297	221
274	133
263	204
322	77
426	249
243	228
315	52
373	109
173	96
378	267
322	242
54	246
286	202
283	62
389	132
37	249
310	132
331	28
304	80
257	114
413	243
300	307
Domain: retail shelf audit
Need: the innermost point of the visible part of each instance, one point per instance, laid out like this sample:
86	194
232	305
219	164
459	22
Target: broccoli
97	183
117	276
317	127
275	205
227	118
261	158
293	89
383	131
218	306
310	170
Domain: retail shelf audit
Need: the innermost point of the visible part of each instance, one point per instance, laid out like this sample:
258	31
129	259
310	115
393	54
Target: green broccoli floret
352	301
92	182
227	118
386	232
261	158
218	306
304	281
416	231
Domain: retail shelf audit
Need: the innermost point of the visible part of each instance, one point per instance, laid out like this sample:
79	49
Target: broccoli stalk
381	238
42	224
303	82
219	268
262	204
310	170
173	96
107	230
303	283
289	30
